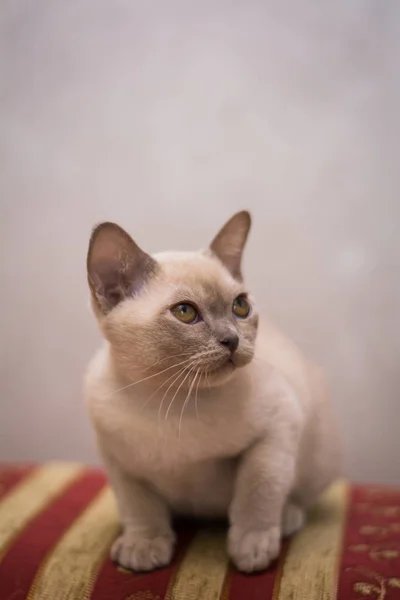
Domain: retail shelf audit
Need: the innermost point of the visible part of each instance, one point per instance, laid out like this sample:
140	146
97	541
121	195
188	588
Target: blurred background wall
166	117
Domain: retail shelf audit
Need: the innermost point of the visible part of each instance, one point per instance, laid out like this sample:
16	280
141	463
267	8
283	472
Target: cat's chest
146	443
174	442
201	488
185	464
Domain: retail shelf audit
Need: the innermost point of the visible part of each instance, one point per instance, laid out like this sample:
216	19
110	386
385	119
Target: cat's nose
230	341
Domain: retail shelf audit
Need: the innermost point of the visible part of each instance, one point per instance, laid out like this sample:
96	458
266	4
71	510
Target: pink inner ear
117	267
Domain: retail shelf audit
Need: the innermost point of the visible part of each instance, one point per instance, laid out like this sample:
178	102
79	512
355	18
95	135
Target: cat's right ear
116	267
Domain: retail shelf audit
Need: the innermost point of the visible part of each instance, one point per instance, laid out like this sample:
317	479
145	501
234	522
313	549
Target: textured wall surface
166	117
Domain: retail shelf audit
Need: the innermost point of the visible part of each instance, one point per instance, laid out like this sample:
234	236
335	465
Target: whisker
186	401
195	398
146	378
167	358
198	356
174	396
181	372
161	386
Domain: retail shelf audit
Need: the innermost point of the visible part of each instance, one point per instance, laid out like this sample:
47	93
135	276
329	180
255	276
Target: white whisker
181	372
195	398
168	358
174	396
162	385
146	378
186	401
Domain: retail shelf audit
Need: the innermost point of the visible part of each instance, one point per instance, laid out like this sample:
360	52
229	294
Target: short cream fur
188	423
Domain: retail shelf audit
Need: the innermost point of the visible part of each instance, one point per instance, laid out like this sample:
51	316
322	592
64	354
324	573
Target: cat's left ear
230	241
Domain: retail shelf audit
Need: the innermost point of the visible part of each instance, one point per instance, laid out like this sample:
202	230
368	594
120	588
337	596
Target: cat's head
175	312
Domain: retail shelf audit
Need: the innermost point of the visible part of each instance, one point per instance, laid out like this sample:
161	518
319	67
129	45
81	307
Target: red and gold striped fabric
57	522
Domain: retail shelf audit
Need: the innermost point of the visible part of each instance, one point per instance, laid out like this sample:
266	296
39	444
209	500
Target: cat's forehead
198	272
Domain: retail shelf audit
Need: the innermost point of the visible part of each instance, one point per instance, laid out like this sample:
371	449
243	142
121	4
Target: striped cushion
57	523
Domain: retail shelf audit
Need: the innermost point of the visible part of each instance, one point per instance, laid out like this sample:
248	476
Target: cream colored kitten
194	413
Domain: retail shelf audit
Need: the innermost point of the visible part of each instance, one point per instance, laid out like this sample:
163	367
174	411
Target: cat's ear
116	267
229	242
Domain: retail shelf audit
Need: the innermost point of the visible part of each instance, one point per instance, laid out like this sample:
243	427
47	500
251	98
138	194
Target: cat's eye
186	313
241	307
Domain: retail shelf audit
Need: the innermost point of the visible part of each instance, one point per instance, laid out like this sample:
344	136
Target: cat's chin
222	373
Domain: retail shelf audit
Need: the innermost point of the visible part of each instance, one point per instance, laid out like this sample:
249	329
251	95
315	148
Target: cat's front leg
147	540
264	479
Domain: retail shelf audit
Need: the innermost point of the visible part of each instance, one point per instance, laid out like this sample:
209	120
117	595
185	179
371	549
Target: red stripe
23	559
117	584
259	586
10	477
370	563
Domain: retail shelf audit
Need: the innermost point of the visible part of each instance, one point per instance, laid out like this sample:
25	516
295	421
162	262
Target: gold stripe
278	574
31	496
202	572
70	569
310	571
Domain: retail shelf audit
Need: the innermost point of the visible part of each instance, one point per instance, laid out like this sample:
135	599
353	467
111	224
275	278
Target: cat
199	407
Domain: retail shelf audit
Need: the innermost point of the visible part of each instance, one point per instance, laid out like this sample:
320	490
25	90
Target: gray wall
166	117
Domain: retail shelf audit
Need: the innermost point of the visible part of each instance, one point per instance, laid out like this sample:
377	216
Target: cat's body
253	439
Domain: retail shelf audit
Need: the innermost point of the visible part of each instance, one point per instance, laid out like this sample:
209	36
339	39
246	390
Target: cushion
57	522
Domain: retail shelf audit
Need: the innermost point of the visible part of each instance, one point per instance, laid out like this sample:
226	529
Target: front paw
253	549
139	552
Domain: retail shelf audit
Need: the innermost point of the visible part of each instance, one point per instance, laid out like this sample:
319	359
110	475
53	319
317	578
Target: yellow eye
186	313
241	307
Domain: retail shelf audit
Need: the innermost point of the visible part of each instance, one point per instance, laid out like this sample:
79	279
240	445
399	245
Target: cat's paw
293	519
143	553
253	549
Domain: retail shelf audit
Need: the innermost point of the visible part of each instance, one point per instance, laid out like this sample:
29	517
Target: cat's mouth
226	365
